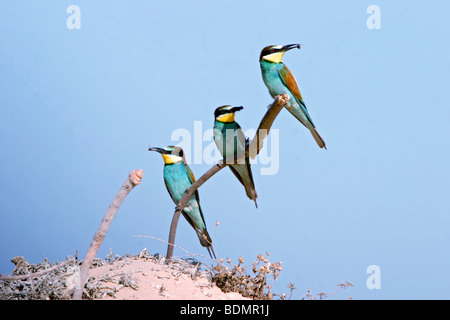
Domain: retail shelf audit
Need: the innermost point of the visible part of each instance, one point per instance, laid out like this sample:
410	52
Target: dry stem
132	180
36	274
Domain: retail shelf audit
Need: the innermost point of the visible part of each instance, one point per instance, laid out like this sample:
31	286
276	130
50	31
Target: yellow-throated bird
178	177
231	142
279	80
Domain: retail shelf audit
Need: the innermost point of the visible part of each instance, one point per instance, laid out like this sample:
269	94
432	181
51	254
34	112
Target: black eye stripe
175	153
220	112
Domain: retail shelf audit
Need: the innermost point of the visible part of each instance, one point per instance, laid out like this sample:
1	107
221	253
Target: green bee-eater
178	177
279	80
231	142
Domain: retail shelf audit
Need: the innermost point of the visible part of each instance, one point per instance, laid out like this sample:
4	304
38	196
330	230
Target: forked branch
252	151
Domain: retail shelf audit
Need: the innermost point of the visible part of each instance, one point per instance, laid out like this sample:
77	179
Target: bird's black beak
235	109
160	150
290	46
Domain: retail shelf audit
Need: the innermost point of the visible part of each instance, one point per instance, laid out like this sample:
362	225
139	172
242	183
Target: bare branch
253	150
132	180
266	123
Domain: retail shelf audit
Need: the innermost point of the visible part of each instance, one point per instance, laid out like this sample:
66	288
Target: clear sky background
79	109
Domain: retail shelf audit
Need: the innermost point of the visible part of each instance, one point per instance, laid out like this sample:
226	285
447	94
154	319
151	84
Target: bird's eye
272	50
181	153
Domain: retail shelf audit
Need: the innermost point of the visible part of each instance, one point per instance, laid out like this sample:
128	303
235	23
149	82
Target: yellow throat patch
228	117
170	158
274	57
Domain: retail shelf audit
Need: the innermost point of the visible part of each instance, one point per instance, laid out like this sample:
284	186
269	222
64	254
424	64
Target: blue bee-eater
178	177
231	142
279	80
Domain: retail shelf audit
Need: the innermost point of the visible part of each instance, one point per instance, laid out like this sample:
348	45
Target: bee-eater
279	80
178	177
231	142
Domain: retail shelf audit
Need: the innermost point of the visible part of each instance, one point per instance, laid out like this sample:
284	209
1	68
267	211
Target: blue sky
79	109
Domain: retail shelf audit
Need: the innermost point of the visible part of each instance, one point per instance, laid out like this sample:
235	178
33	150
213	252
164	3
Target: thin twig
37	274
340	287
187	252
132	180
252	151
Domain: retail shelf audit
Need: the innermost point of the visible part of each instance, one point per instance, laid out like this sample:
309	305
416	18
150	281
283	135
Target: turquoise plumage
279	80
231	142
178	177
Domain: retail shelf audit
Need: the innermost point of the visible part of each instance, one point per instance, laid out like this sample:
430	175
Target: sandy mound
138	278
130	277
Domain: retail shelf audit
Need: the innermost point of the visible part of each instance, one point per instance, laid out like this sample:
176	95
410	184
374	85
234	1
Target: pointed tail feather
251	193
205	241
250	189
316	135
248	183
211	249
